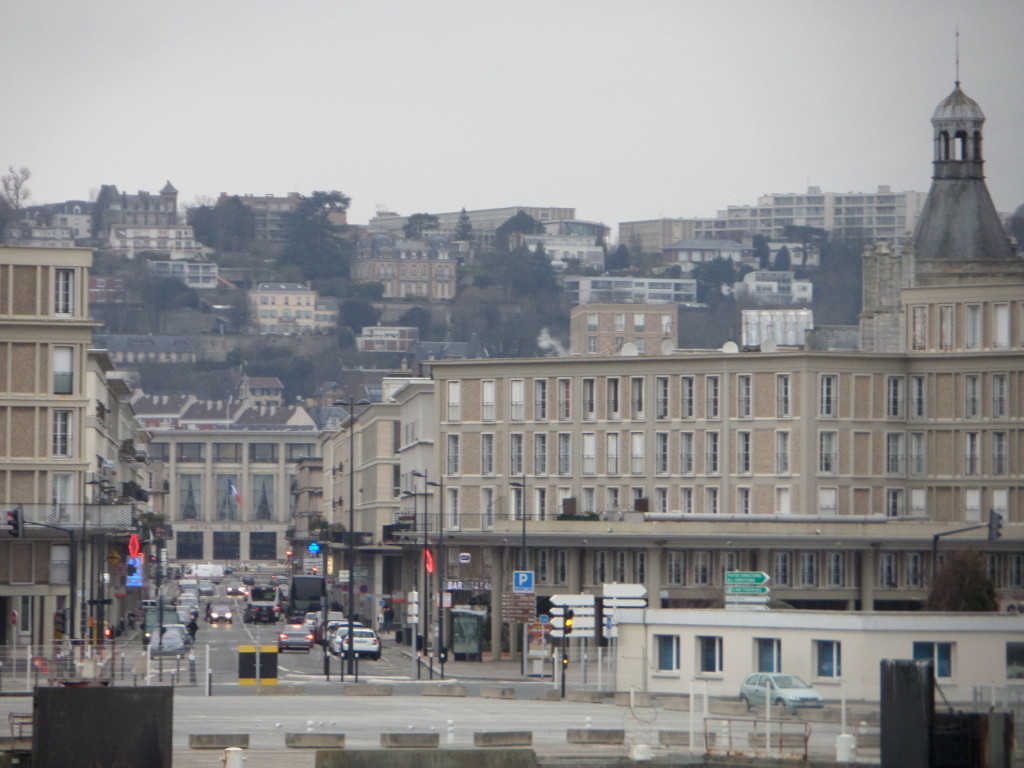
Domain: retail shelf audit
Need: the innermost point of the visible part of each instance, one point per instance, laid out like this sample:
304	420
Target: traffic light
16	523
995	525
567	621
428	560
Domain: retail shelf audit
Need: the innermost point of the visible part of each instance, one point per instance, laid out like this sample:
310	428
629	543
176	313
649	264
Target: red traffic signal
428	560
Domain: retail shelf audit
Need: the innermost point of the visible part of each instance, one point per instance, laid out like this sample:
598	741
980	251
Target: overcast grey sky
624	110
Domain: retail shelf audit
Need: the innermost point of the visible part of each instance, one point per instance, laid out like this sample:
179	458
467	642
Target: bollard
846	748
192	669
209	682
233	758
451	731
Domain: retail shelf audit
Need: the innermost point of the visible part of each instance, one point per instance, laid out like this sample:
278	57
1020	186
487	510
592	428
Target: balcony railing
88	516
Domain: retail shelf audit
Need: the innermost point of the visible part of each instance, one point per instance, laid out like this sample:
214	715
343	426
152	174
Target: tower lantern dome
957	122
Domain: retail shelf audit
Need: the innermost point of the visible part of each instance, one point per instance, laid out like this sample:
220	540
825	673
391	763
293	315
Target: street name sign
746	589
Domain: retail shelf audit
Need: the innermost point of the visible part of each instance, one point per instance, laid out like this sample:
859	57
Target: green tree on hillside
963	584
463	228
313	242
419	223
229	225
507	236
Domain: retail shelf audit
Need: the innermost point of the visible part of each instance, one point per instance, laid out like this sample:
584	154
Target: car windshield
789	681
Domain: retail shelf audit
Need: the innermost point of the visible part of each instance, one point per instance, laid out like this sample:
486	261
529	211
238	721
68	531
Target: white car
311	621
364	639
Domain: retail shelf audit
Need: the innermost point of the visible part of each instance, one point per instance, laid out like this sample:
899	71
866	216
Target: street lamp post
351	403
425	597
442	586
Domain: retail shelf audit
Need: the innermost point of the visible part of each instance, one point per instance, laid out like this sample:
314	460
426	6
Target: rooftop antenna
957	55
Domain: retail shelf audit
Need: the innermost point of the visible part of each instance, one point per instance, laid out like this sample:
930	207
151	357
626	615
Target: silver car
781	689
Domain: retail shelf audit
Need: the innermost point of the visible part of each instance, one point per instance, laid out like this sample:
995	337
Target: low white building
170	242
838	653
561	249
785	327
774	287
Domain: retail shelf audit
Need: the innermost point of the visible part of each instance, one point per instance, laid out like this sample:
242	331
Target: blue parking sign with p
522	581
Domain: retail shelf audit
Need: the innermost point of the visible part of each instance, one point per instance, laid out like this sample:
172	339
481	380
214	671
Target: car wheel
780	702
745	701
376	657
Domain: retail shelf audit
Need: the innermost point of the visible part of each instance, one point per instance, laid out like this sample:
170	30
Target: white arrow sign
624	590
572	601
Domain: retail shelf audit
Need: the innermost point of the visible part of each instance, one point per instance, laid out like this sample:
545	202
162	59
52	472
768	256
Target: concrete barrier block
314	740
823	715
446	689
503	738
587	697
218	740
409	740
682	739
727	707
497	692
595	736
676	703
280	690
368	689
469	757
550	694
639	699
869	740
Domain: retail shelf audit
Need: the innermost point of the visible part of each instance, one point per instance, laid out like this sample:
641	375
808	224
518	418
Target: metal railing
76	516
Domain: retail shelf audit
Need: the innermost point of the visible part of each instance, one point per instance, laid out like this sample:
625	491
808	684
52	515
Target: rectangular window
711	500
452	467
1001	326
1015	661
711	397
611	499
591	321
515	454
919	327
619	557
63	371
835	571
636	397
661	397
686	453
743	396
639	573
894	397
190	497
808	569
940	654
259	453
226	453
782	407
600	571
782	568
917	391
612	453
488	408
540	453
973	331
709	653
972	396
613	399
701	568
64	292
769	654
62	440
999	459
454	400
828	658
828	461
917	453
561	566
666	651
487	454
894	453
589	405
999	395
972	453
914	570
636	453
620	322
661	453
782	453
743	452
743	501
887	574
946	327
894	502
686	397
686	500
827	501
639	322
564	453
540	399
711	453
487	507
675	568
589	453
1016	570
828	393
564	399
451	509
972	505
516	406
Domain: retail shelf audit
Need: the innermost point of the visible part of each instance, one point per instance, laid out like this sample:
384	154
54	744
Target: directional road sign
746	577
624	590
573	601
749	599
746	589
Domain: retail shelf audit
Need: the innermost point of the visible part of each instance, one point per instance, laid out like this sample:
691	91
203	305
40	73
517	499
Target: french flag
233	492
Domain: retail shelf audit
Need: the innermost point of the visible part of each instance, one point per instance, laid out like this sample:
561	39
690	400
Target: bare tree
15	191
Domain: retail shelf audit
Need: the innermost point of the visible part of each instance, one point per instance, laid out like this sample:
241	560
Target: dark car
236	588
294	637
220	612
248	580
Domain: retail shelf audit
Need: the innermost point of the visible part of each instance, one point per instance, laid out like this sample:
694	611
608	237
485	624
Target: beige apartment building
832	471
287	309
72	458
611	329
